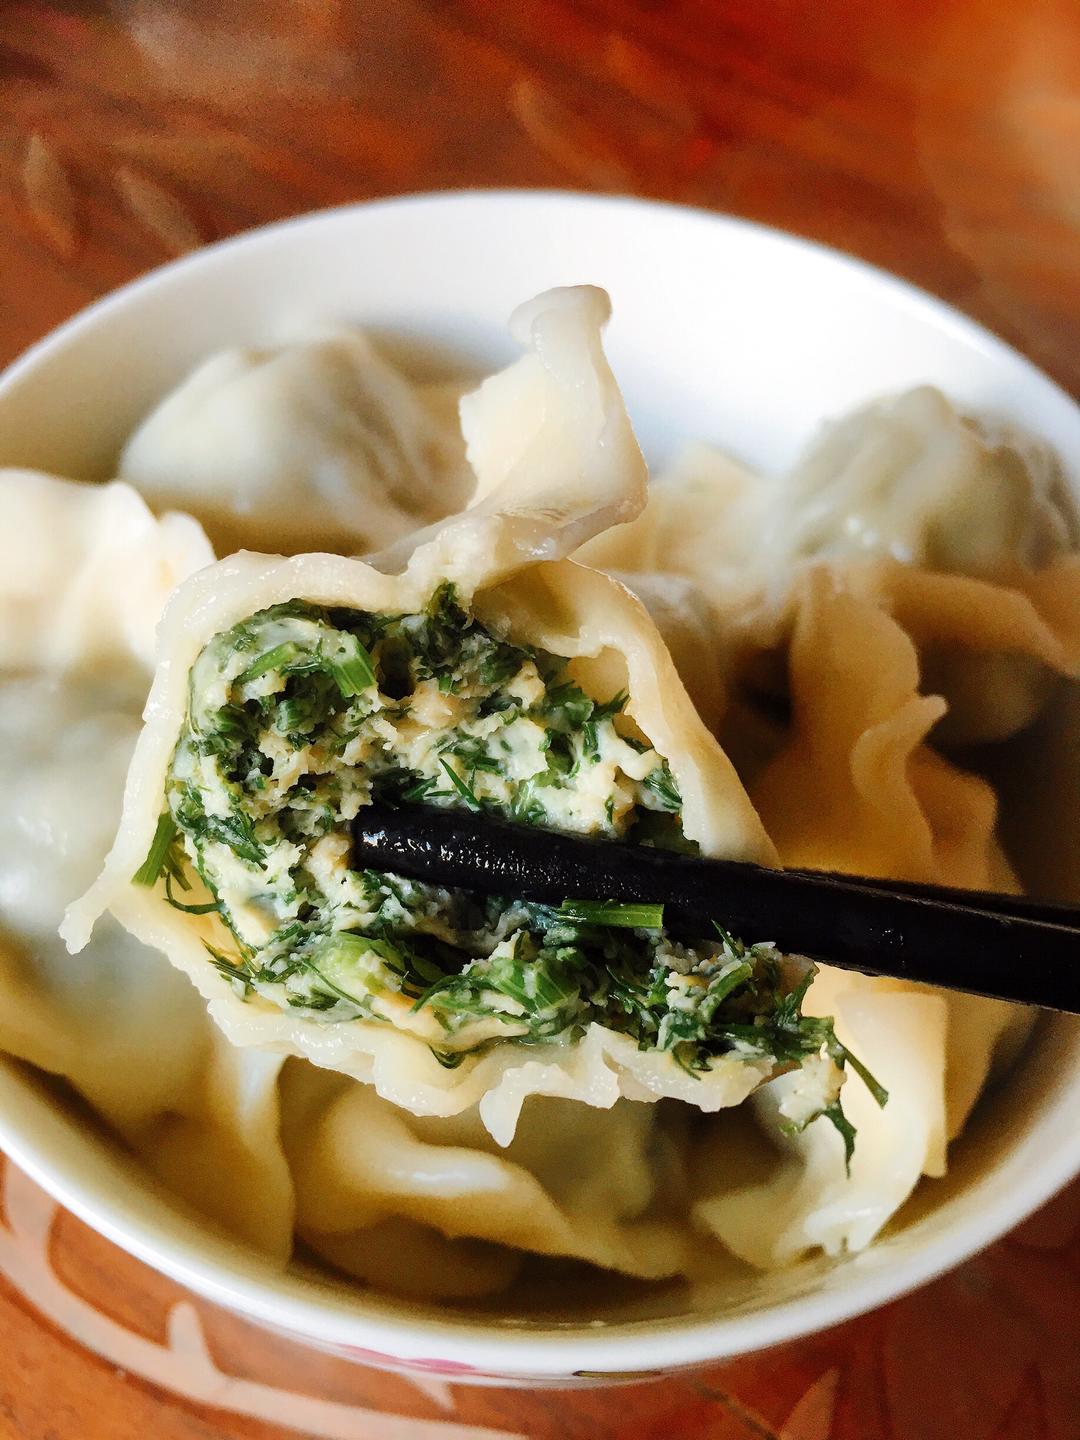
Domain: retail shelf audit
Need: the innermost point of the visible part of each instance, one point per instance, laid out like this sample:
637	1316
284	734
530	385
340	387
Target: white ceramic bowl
722	331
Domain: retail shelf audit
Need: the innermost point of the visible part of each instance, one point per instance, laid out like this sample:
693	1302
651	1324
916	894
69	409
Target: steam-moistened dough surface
423	1087
319	444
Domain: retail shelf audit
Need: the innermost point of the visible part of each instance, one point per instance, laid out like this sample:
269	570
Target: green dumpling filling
301	715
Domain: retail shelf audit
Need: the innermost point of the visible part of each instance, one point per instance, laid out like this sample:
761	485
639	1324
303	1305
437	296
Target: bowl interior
722	331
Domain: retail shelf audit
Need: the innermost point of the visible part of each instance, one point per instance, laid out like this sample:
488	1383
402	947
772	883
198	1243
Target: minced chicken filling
301	715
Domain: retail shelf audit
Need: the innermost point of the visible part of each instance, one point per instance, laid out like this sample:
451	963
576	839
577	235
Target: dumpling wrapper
855	788
908	477
575	1182
260	1151
86	570
996	649
703	520
419	1211
317	444
125	1029
430	1209
556	460
961	530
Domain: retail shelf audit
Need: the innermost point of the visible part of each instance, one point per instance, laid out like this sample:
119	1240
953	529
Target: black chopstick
1052	912
984	943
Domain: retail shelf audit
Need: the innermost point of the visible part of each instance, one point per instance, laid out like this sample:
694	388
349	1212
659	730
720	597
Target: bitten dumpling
481	670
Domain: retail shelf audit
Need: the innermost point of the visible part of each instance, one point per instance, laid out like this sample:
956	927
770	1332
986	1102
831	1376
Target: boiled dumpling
84	573
319	444
128	1032
962	529
995	649
482	669
910	478
86	570
703	521
856	788
602	1186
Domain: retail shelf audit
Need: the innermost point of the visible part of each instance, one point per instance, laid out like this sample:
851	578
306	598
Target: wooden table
938	138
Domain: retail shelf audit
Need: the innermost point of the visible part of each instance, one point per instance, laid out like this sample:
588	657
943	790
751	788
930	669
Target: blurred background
939	140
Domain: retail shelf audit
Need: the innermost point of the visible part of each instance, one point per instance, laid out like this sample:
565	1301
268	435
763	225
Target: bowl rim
489	1348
